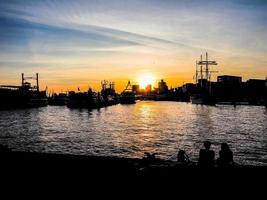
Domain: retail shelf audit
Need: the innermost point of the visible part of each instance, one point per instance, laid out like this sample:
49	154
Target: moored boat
24	96
196	99
128	96
202	99
83	100
60	99
108	93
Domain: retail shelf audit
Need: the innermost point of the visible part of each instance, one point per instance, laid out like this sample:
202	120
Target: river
131	130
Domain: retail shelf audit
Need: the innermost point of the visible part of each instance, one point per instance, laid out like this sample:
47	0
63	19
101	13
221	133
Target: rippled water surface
131	130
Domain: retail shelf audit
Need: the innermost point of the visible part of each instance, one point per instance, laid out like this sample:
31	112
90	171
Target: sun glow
145	80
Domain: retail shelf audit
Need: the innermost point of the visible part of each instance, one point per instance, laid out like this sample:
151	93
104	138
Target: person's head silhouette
207	145
225	147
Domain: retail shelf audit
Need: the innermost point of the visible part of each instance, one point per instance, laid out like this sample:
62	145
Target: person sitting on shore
150	157
182	158
225	156
206	156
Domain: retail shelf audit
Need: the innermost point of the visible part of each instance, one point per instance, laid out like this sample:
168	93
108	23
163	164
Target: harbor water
132	130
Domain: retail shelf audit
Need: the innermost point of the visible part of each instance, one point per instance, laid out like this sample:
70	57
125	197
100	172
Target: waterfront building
162	87
148	89
226	79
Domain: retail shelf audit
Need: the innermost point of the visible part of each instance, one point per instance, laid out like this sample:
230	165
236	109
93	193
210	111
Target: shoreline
58	169
136	164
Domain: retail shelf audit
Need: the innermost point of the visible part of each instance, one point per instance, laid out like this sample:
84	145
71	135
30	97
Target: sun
146	79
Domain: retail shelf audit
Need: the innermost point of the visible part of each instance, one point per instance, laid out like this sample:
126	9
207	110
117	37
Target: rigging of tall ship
203	92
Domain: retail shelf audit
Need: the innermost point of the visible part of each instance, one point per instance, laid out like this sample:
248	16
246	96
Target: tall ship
128	96
24	96
203	92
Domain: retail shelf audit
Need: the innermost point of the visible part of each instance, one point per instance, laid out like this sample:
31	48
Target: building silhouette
162	87
148	89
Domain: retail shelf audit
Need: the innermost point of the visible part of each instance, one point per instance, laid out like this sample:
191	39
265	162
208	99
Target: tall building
255	88
162	87
148	88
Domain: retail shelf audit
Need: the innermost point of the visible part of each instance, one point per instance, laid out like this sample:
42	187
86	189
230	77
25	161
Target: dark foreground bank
20	162
87	173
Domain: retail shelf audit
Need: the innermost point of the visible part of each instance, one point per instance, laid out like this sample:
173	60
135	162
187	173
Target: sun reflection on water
131	130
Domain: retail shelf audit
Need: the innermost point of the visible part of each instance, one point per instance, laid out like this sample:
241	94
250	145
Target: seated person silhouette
182	158
150	157
206	156
225	156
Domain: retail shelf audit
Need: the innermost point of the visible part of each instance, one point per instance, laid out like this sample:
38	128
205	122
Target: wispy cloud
152	34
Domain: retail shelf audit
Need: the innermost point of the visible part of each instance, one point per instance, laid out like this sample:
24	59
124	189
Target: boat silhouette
128	96
24	96
60	99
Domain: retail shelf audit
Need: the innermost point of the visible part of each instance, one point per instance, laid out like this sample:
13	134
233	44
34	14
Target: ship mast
199	69
207	67
207	63
196	73
37	81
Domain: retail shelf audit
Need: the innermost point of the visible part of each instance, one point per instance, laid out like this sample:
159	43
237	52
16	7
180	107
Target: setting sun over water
146	79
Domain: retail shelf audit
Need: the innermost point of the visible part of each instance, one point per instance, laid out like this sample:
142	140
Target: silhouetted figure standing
206	156
225	156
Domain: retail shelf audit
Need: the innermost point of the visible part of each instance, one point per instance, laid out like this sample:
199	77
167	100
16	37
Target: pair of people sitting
207	156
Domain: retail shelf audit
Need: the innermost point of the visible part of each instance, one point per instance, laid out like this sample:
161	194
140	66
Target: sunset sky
79	43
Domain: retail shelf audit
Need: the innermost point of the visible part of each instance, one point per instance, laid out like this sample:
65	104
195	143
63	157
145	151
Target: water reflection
131	130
